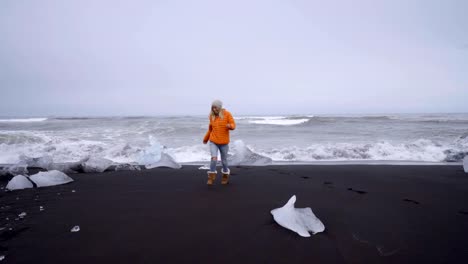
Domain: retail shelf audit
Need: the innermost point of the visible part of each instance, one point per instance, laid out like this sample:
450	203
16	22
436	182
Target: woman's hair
218	104
213	116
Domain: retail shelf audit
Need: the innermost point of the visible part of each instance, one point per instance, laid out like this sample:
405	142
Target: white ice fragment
95	164
41	208
204	167
75	229
245	156
152	153
2	257
50	178
465	164
23	214
73	191
299	220
165	161
19	182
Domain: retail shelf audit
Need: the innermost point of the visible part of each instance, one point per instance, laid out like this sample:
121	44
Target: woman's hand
228	126
204	142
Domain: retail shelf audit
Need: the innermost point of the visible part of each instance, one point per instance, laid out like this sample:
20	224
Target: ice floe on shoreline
299	220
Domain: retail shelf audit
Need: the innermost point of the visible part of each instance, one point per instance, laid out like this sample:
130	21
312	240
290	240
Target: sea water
288	139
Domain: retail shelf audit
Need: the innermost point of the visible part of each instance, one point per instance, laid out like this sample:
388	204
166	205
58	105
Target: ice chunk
70	167
244	156
95	164
19	182
465	164
44	162
204	167
2	257
127	167
41	208
50	178
299	220
17	169
23	214
75	229
153	153
165	161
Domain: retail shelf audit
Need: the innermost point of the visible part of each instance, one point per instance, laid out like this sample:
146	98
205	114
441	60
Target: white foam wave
419	150
276	120
24	120
63	149
280	122
261	117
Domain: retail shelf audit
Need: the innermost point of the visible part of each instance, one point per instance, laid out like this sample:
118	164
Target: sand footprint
410	201
385	253
357	191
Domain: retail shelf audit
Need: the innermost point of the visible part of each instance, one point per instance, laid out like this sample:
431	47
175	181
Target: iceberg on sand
244	156
465	164
299	220
19	182
50	178
46	162
165	161
155	156
94	164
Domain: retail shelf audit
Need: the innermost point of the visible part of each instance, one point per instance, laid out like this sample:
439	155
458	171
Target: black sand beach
371	213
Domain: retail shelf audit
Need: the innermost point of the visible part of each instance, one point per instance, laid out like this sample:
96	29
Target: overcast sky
91	57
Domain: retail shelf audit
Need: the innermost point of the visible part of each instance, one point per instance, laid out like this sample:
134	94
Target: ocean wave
24	120
260	117
19	138
68	150
279	122
419	150
73	118
275	120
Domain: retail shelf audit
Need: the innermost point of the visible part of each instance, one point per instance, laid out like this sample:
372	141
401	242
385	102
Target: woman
221	122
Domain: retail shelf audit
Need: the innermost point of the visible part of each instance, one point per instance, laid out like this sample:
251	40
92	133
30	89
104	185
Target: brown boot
225	178
211	177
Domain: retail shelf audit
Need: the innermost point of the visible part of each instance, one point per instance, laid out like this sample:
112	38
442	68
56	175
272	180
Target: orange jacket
217	131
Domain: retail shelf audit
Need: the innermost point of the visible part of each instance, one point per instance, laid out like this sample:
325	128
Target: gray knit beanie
217	103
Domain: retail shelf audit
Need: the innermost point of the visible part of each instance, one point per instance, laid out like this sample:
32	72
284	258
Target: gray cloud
260	57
